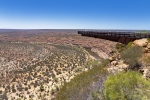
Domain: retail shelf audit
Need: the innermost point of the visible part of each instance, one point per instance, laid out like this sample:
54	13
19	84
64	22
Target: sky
75	14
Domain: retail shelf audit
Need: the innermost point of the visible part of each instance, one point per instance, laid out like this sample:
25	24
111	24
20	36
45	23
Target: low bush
131	56
126	86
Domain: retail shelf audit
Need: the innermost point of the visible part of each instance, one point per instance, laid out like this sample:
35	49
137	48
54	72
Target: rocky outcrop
145	72
141	42
119	66
116	64
147	48
145	69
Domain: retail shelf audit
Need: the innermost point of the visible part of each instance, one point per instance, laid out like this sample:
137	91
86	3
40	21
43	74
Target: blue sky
75	14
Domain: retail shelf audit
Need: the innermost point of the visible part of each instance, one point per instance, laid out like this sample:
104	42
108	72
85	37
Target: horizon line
64	29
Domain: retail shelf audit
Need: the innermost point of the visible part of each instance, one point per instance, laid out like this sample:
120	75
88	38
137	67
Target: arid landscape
34	64
74	50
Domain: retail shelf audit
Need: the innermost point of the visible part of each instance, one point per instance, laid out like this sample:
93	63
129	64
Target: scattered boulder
114	63
123	66
148	74
112	58
146	50
116	66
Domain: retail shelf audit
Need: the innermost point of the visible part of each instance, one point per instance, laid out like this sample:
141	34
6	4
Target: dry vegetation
39	70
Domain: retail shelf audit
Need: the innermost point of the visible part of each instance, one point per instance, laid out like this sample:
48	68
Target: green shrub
131	56
127	86
129	45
